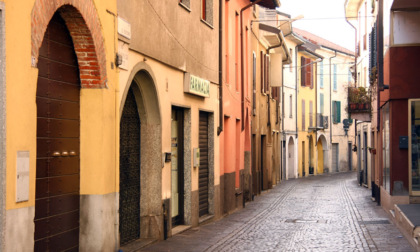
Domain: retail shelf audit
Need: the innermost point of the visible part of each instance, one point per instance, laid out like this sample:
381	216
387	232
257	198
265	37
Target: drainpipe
242	63
331	129
296	91
220	128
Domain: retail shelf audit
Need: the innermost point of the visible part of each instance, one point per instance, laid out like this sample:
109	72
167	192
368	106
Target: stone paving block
320	213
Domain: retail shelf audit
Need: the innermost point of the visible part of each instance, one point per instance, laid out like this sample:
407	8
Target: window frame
410	138
205	11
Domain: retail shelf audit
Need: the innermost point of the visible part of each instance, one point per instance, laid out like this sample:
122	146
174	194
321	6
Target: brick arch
83	24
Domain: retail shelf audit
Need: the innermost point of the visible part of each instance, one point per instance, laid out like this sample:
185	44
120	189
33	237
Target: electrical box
196	155
22	176
403	142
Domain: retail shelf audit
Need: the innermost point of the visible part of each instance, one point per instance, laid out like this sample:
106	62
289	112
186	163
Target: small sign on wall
124	28
22	176
196	85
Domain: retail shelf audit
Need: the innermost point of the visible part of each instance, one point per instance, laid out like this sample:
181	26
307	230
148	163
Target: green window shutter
338	111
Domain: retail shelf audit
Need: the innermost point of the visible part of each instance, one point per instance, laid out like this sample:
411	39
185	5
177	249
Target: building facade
269	53
169	93
335	129
60	142
289	107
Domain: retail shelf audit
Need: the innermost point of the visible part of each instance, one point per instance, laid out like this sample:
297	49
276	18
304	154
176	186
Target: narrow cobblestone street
319	213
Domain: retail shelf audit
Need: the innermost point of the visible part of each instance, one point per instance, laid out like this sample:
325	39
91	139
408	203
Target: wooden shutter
303	115
267	77
309	77
338	111
310	114
262	70
254	83
302	71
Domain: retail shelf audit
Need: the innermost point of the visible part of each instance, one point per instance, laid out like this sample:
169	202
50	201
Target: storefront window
385	147
415	147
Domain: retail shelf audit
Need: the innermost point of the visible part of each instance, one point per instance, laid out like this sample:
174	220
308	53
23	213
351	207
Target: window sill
207	23
185	7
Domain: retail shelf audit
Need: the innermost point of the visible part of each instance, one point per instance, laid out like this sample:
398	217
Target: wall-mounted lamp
118	59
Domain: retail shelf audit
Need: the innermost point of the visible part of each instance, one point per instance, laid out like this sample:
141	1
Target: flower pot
361	106
353	106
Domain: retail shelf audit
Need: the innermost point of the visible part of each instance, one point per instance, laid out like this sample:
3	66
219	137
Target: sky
324	18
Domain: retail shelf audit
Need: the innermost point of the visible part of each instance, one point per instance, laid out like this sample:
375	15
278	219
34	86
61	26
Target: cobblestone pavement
319	213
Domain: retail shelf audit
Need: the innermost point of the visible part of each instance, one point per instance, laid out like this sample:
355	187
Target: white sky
324	18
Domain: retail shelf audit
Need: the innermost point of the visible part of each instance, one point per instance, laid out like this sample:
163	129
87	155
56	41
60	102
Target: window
290	106
267	73
335	77
291	53
185	3
349	77
306	72
321	74
254	83
386	148
336	111
237	46
311	115
207	11
413	147
262	63
321	103
303	115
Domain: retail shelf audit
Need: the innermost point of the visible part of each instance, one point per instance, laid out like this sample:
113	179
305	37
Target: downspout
331	129
220	128
242	63
296	91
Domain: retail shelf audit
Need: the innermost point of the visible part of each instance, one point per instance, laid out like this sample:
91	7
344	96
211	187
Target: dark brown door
204	164
129	171
57	167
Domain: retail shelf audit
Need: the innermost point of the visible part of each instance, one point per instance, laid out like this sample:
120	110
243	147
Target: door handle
56	154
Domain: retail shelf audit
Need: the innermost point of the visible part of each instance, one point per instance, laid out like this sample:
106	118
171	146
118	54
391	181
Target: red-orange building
235	133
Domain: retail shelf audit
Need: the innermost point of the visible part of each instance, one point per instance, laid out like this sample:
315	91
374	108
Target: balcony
359	103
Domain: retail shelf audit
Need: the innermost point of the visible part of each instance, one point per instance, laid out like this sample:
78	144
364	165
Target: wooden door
57	197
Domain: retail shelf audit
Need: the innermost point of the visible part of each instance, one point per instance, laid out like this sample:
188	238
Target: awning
269	4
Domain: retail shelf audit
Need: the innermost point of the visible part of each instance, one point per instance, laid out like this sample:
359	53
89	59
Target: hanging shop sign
195	85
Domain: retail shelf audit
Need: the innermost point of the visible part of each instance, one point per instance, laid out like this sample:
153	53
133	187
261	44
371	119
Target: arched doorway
129	199
311	155
141	93
320	151
57	199
291	158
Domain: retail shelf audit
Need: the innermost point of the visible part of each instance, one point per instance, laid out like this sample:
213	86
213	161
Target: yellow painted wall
97	106
320	165
307	94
